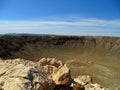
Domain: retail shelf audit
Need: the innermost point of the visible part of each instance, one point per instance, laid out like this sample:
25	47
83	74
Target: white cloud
67	26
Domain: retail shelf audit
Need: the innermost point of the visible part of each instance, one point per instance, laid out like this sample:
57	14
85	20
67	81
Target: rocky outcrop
56	70
94	87
83	79
20	74
84	82
46	74
62	76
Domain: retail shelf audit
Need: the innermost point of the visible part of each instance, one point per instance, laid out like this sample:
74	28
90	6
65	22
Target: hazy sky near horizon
62	17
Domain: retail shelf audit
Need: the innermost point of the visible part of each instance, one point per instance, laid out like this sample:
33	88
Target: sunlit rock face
46	74
19	74
56	70
83	79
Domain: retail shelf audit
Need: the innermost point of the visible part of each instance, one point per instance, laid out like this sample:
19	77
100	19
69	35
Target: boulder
62	76
56	70
94	87
83	79
20	75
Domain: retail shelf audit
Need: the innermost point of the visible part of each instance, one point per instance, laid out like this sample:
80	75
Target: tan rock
83	79
22	75
14	62
17	84
56	71
50	61
94	87
62	76
3	69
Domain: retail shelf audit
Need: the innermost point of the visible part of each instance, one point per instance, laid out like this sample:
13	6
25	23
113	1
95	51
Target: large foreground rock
56	70
23	75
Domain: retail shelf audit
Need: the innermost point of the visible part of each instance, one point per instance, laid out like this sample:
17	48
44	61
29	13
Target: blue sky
62	17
